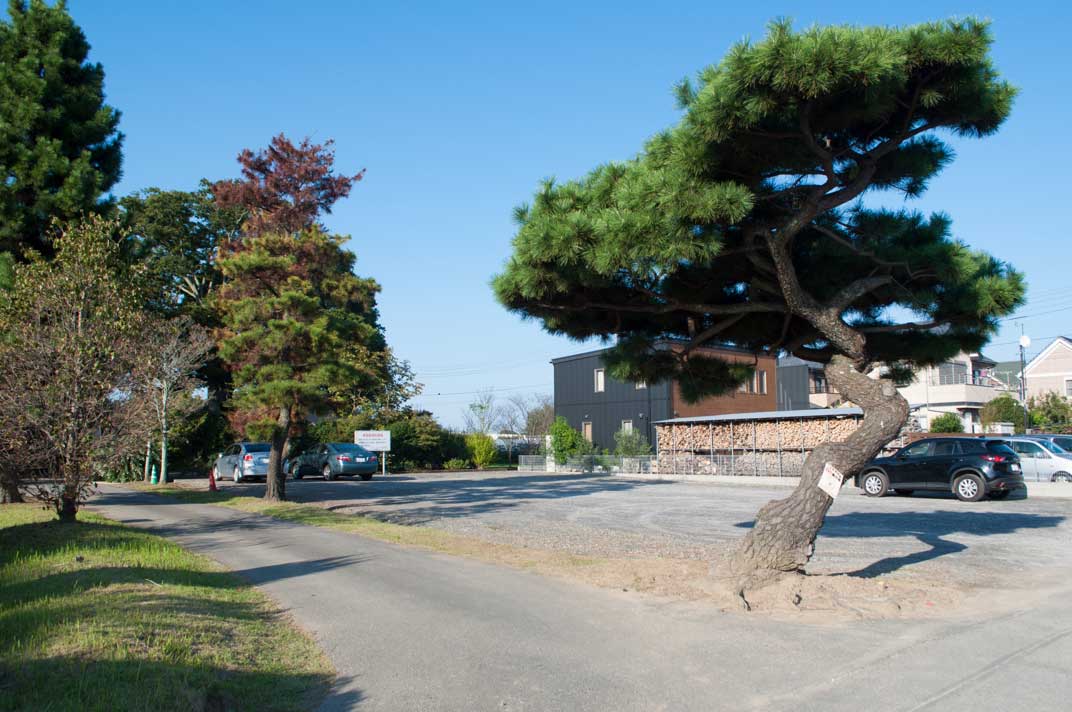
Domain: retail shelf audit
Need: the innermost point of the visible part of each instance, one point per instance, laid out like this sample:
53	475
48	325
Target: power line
484	390
1028	316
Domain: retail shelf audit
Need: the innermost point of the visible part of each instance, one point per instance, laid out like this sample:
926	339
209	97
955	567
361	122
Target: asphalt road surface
411	630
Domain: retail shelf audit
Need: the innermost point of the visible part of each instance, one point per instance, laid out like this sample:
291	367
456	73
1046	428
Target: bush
631	443
456	463
947	423
1003	409
407	466
567	442
482	450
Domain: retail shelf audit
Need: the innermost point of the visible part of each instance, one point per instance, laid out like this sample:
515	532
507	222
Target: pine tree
60	150
745	224
290	305
295	319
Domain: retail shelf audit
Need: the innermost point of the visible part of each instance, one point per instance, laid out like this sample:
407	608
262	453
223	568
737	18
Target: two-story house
598	405
1051	370
962	386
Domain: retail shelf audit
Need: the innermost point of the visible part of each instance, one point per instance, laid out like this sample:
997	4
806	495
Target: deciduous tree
60	148
167	372
1003	409
72	340
745	224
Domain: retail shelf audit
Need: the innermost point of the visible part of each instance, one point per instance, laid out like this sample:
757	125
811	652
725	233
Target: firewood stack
746	447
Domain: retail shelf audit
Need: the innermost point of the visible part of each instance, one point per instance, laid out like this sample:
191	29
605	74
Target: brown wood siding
735	402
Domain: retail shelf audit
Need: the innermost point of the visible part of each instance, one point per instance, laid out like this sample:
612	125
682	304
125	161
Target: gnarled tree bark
783	538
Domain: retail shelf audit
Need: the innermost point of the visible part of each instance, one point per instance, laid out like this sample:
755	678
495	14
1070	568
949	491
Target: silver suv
243	461
1041	460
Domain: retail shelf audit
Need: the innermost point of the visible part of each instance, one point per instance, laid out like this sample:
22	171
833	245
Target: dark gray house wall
578	402
793	385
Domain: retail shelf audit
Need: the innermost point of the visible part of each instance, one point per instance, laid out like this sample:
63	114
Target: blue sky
457	110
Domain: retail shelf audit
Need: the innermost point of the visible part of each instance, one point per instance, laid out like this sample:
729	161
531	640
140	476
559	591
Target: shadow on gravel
421	502
927	527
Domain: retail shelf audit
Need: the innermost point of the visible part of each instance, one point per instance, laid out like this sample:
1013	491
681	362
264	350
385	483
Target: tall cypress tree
60	150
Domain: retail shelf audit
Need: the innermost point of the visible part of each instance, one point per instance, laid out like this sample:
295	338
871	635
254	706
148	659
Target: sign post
375	441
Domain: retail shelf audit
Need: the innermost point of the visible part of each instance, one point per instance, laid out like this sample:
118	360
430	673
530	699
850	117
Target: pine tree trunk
783	537
276	488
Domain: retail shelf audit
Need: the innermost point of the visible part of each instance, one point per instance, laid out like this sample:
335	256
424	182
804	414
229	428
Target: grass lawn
98	616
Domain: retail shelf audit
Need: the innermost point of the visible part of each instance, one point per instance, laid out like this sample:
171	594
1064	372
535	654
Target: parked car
1062	441
243	461
331	460
970	468
1042	460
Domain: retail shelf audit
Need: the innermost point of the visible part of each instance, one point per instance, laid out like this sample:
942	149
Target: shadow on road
927	527
423	501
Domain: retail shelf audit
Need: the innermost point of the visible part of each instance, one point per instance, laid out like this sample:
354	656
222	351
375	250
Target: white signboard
830	481
374	440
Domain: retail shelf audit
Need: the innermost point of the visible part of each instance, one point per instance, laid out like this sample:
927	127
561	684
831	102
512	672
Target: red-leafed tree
285	187
291	310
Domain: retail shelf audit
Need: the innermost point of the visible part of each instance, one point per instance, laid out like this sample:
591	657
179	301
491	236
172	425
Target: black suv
970	468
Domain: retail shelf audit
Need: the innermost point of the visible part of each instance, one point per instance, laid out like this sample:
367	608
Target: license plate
1013	467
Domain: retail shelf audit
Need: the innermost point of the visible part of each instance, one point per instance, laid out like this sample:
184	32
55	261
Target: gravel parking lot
1018	543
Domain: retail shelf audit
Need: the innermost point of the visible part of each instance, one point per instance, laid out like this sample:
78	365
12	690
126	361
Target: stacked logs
772	448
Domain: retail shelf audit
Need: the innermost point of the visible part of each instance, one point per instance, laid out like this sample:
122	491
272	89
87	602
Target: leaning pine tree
744	224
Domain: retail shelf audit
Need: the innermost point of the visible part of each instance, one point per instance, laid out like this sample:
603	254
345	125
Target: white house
962	386
1051	370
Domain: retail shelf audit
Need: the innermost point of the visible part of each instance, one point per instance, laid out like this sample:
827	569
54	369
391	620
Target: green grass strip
98	616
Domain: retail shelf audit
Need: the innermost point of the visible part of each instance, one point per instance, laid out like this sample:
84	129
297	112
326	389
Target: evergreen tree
297	322
1003	409
745	224
290	305
60	150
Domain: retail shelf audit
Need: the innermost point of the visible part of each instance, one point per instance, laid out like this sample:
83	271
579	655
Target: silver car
243	461
1041	460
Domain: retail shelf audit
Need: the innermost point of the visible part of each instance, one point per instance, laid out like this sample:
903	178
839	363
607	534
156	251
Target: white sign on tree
831	479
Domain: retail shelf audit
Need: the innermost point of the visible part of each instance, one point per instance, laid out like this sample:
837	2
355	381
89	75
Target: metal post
755	450
733	463
711	447
778	432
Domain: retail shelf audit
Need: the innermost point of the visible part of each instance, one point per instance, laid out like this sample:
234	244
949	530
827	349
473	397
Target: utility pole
1025	341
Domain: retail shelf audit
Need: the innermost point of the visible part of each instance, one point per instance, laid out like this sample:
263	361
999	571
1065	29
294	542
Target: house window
586	429
600	382
752	384
743	388
761	382
627	426
641	384
1068	387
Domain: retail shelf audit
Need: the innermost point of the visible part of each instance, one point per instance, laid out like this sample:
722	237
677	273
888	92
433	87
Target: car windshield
258	447
1000	448
1064	443
1051	447
349	447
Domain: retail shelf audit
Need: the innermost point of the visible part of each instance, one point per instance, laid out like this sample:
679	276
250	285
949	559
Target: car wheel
904	492
1062	477
999	494
328	474
969	488
236	475
875	484
366	478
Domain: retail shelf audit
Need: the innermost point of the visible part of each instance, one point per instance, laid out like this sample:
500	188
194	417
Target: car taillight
248	458
342	458
994	458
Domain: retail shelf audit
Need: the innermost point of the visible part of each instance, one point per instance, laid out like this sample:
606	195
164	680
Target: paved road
410	630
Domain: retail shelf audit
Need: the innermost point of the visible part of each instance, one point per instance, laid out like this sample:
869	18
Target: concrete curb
1055	490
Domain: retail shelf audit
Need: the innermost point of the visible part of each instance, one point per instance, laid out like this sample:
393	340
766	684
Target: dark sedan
970	468
331	460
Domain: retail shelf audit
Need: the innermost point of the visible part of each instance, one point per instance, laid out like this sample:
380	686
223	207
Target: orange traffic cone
212	480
